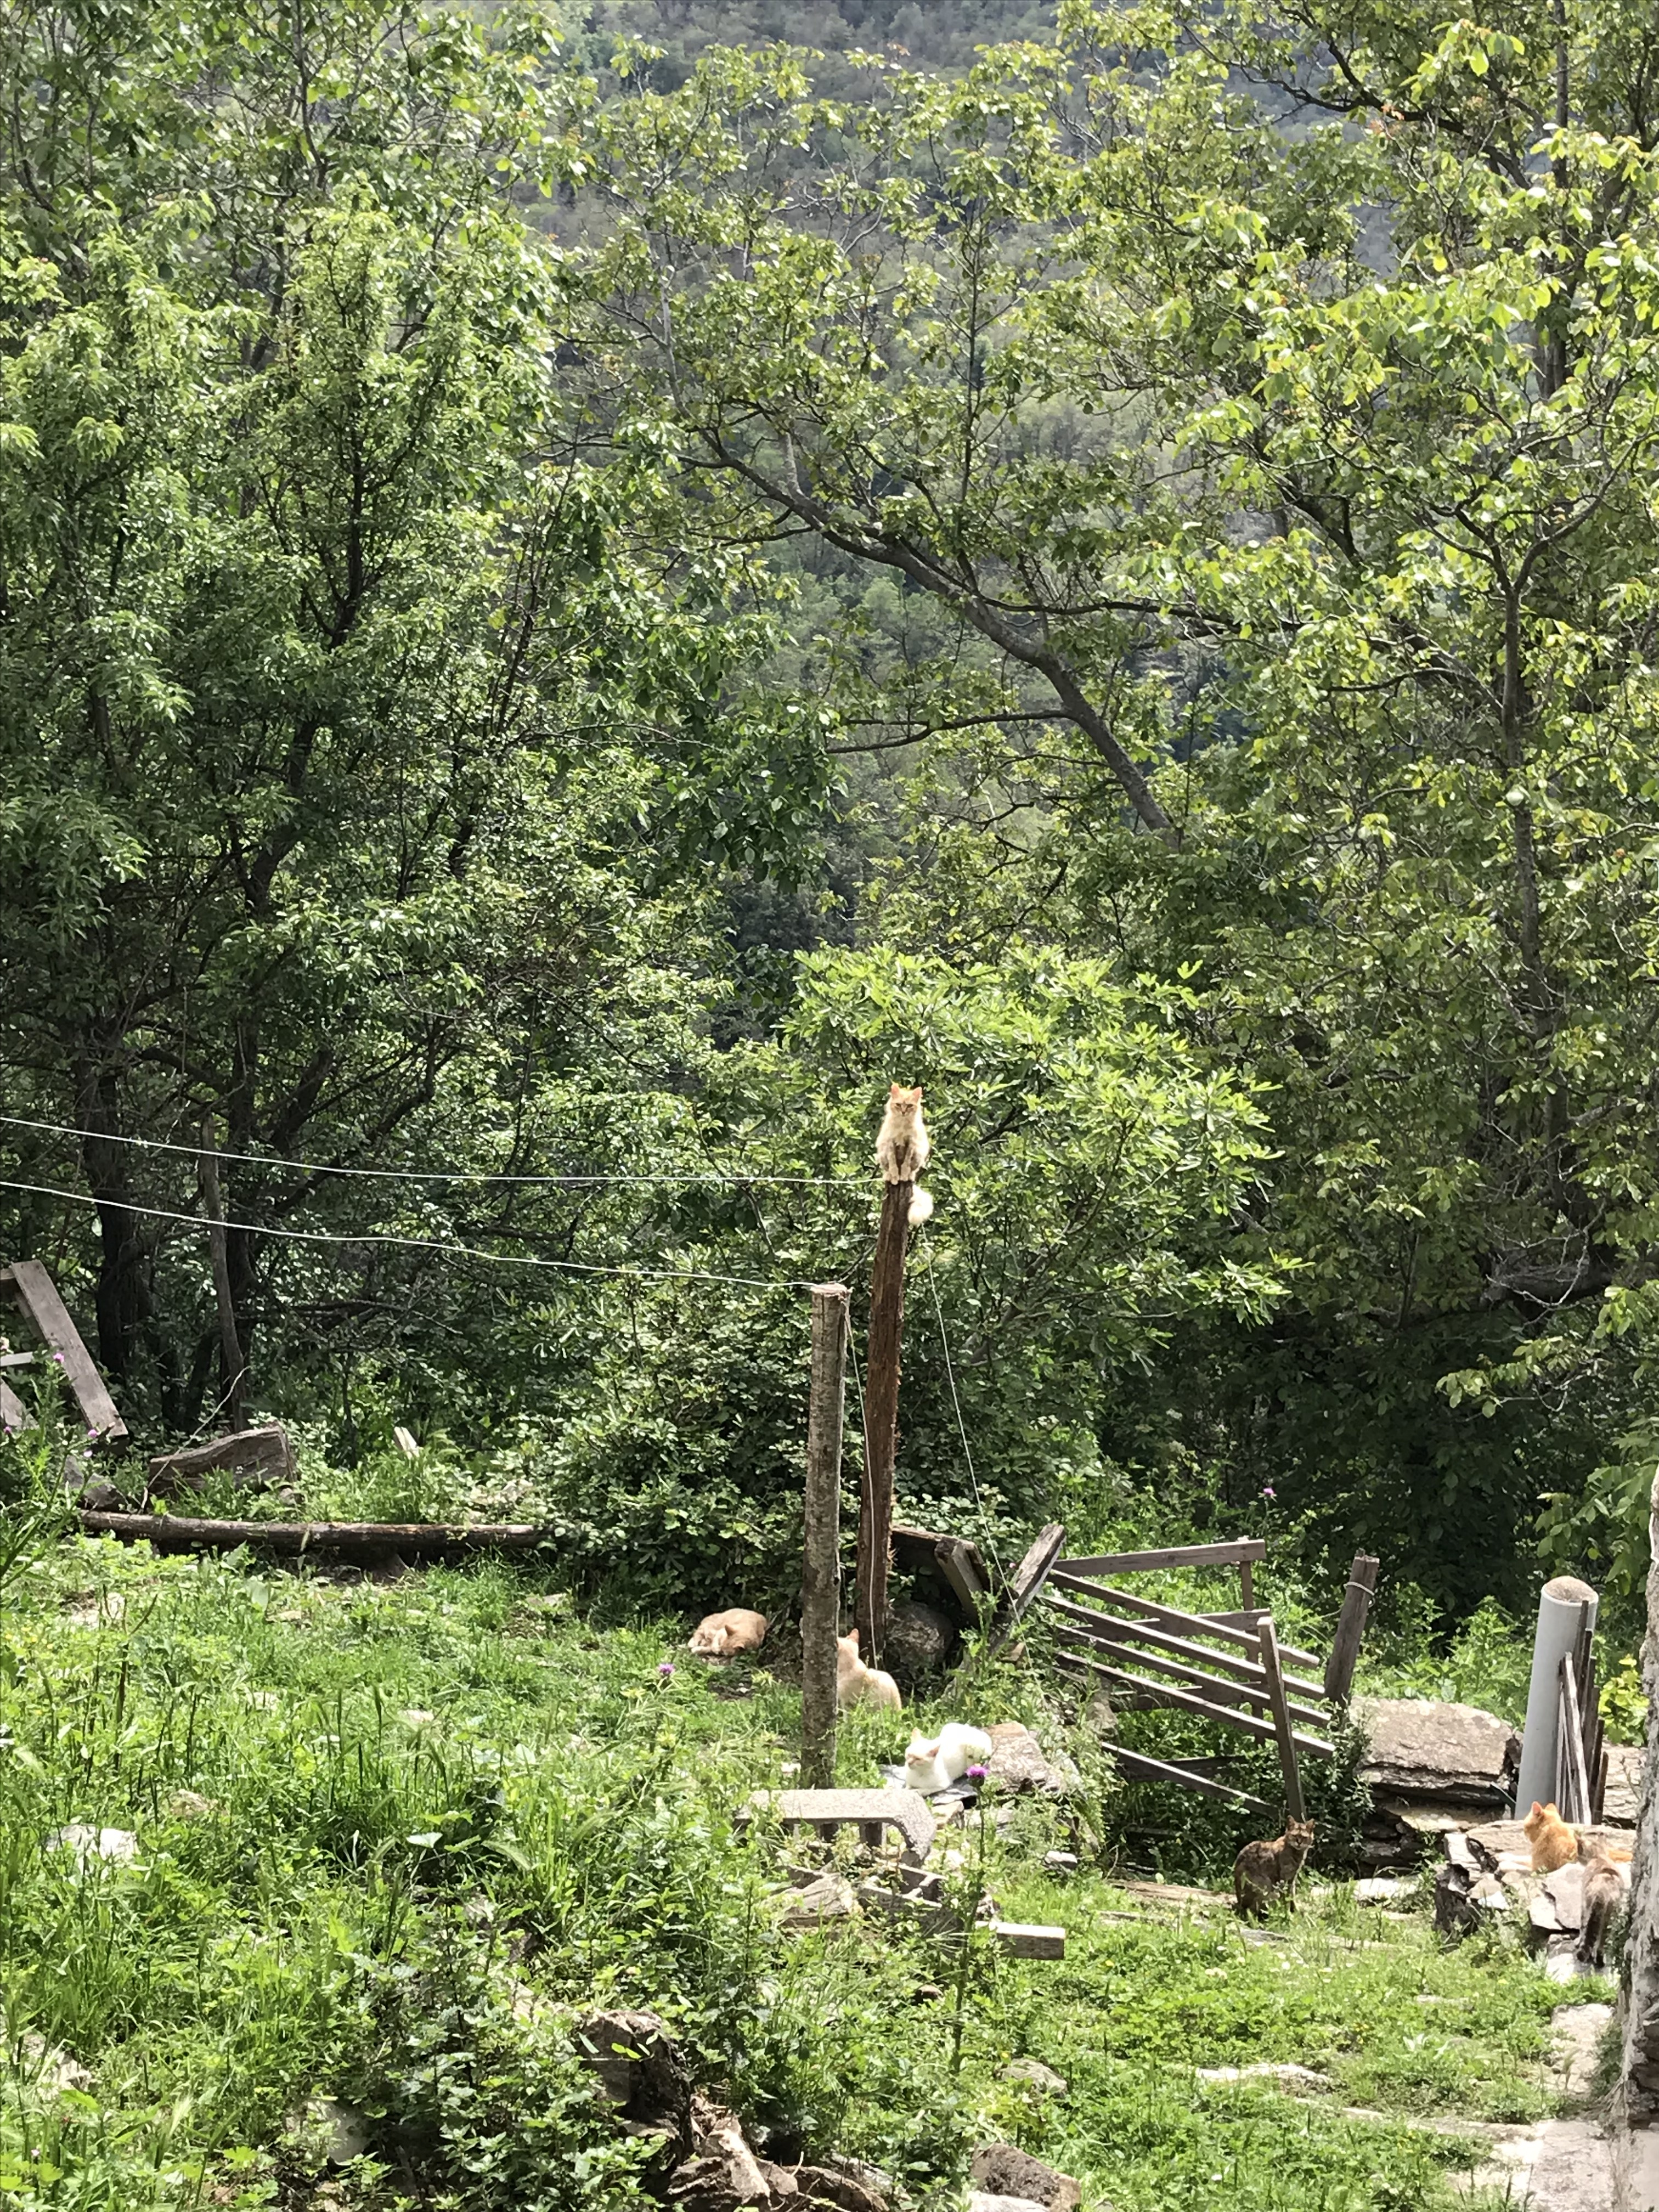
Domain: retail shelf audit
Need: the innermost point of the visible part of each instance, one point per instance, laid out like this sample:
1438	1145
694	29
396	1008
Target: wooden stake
820	1581
1350	1628
230	1349
1282	1728
881	1388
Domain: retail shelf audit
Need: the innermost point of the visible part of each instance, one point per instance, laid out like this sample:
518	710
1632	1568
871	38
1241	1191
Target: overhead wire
961	1426
423	1244
423	1175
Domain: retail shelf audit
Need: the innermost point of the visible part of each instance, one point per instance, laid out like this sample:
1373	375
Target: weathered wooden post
1268	1641
230	1349
882	1356
820	1581
1351	1627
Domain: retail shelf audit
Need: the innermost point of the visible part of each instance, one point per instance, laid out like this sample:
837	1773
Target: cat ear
895	1090
1537	1812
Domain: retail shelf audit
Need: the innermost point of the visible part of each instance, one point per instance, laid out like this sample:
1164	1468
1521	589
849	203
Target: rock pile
1431	1769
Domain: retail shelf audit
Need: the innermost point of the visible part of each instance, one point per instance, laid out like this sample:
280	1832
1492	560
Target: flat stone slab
1576	2032
875	1810
1019	1761
1296	2081
1419	1749
1555	2166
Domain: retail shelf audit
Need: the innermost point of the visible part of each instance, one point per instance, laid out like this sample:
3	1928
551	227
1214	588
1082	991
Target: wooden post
1246	1585
881	1388
1350	1628
820	1581
230	1349
1282	1729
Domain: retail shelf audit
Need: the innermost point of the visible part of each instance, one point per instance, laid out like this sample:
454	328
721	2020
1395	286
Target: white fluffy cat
859	1684
933	1763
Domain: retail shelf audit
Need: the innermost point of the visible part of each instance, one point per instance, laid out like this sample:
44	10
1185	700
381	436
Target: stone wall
1639	1978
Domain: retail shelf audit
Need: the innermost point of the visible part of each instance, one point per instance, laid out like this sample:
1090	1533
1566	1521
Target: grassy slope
442	1809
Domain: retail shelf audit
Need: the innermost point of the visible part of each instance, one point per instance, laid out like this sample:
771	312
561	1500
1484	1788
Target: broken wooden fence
1581	1759
1226	1668
27	1286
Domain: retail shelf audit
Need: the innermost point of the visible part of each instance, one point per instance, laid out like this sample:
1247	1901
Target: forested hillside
569	610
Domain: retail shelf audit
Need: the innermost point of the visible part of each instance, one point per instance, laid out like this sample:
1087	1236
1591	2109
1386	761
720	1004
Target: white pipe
1560	1605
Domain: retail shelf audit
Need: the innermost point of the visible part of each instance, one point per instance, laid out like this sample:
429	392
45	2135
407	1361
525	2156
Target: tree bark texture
882	1356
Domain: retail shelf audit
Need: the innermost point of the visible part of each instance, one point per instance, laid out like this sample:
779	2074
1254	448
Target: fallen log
178	1532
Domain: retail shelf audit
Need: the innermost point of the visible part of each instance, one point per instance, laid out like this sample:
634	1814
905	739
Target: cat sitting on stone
1262	1871
1554	1843
933	1763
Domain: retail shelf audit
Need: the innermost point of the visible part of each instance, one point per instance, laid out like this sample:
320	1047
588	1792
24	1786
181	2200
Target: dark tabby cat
1604	1898
1261	1870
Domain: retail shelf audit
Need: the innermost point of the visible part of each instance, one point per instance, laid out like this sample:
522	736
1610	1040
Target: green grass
442	1814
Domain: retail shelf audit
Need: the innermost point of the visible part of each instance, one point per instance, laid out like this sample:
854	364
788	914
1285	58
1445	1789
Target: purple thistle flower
977	1773
1268	1489
665	1669
58	1356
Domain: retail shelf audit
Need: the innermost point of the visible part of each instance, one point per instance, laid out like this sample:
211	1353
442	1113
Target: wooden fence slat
1119	1632
1286	1733
1144	1768
38	1295
1350	1627
1229	1694
1233	1554
1243	1628
1183	1701
1027	1580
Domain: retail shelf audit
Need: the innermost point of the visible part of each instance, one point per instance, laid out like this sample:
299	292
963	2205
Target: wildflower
1268	1489
977	1773
58	1356
665	1669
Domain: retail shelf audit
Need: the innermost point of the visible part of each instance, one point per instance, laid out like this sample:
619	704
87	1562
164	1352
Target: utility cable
421	1244
422	1175
961	1428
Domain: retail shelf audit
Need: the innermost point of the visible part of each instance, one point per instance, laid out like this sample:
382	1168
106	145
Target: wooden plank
1232	1554
38	1294
1027	1580
1183	1701
1573	1776
14	1413
1284	1730
178	1532
1256	1694
1350	1627
1139	1767
16	1359
1171	1616
1119	1632
960	1564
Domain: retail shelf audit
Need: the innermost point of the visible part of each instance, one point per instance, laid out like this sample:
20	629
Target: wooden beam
1350	1627
1233	1554
1183	1701
820	1583
1254	1694
960	1564
178	1532
883	1351
1115	1630
38	1295
1139	1767
1228	1625
1027	1580
1282	1725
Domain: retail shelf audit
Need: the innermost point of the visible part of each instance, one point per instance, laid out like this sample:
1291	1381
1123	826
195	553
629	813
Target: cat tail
921	1207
